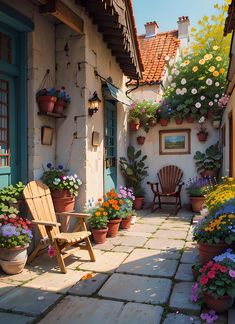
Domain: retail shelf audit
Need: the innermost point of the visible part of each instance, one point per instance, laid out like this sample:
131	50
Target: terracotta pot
164	121
202	136
195	273
152	122
46	103
208	251
138	203
140	140
99	235
209	114
63	200
220	305
13	260
190	119
197	203
113	227
134	125
178	121
209	173
59	106
126	223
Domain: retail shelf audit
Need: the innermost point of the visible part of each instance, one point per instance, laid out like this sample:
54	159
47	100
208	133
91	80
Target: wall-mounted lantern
94	104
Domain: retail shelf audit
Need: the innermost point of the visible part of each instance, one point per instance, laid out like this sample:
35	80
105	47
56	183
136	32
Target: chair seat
72	237
167	194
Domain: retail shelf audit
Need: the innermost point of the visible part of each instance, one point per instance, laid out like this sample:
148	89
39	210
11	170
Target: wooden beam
62	12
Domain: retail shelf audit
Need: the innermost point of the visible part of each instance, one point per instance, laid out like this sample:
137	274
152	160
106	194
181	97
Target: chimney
151	29
183	30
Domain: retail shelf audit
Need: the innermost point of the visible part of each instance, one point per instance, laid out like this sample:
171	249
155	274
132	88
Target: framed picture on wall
174	141
47	135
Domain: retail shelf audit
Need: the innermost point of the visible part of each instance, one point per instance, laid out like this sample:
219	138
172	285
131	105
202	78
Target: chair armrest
79	215
46	223
152	183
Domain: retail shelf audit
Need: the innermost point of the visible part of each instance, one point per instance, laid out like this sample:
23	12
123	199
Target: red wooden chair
170	184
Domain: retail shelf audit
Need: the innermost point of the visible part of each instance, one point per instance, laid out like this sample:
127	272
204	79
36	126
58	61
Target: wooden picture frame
95	138
47	135
175	141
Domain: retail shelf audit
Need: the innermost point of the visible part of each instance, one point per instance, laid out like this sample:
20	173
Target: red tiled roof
153	52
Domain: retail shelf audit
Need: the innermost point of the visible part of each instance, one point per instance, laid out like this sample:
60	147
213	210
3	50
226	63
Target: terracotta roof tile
153	52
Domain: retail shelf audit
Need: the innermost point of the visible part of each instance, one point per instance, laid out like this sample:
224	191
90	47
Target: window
4	123
5	48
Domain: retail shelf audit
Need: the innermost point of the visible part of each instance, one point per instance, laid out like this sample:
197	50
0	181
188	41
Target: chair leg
90	249
59	257
35	252
159	202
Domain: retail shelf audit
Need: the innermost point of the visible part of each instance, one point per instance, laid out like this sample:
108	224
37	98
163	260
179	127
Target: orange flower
87	276
121	202
116	207
105	213
105	204
101	209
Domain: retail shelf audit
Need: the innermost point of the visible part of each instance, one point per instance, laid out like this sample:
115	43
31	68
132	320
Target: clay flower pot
208	251
140	140
46	103
138	203
220	305
126	223
152	122
63	200
190	119
99	235
197	203
135	125
59	106
178	121
113	227
202	136
13	260
209	173
164	121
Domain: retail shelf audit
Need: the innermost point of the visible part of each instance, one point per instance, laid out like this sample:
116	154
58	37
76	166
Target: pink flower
51	251
232	273
203	280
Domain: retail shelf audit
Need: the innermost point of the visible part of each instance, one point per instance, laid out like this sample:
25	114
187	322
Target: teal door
110	149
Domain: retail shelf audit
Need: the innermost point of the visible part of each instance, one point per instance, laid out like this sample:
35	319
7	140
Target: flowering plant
99	218
127	195
217	278
210	160
143	111
46	92
14	231
201	126
197	187
57	179
62	95
164	110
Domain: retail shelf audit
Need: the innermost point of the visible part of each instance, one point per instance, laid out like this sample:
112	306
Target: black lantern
94	104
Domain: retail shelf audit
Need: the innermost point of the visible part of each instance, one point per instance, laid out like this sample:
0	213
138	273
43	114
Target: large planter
113	227
140	140
138	203
46	103
220	305
13	260
59	106
197	203
126	223
190	119
178	121
135	125
209	173
63	200
208	251
99	235
202	136
164	121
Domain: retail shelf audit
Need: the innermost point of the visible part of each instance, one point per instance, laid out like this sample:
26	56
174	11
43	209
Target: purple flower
49	165
9	231
60	167
209	317
232	273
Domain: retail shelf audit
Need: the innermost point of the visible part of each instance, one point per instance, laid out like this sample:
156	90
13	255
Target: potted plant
15	236
12	195
126	194
133	217
63	100
179	117
142	113
196	189
134	169
46	99
190	119
164	112
98	222
208	163
152	121
140	140
218	284
202	130
64	188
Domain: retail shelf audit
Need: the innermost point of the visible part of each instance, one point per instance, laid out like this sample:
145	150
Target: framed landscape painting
175	141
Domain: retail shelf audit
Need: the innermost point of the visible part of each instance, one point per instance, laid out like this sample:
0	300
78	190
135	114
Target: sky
166	12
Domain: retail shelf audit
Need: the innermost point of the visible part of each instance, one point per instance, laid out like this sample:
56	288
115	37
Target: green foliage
143	112
210	160
134	169
12	193
6	210
98	222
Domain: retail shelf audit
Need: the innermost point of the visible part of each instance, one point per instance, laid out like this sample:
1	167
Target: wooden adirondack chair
38	198
170	182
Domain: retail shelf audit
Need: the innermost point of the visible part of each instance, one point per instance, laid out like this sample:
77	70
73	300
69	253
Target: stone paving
143	276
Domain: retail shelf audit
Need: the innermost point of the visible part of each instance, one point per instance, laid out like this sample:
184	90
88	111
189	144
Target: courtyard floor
142	276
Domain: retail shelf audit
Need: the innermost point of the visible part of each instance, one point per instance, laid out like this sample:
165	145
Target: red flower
203	280
211	274
11	220
223	269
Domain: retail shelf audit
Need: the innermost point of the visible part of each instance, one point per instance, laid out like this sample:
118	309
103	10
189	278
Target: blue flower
49	165
60	167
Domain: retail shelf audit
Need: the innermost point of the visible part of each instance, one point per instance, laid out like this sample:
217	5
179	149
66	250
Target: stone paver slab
180	235
184	272
164	244
90	286
141	234
181	319
57	282
231	315
5	287
107	246
107	262
180	298
174	226
140	313
29	301
84	310
27	274
151	220
133	240
146	228
15	319
123	248
190	255
149	263
136	288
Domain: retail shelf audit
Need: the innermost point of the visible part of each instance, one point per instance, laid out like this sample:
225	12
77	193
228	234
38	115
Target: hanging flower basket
140	140
202	136
135	125
152	122
59	106
46	103
164	121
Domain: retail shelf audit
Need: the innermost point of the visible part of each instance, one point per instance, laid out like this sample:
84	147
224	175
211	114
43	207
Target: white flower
209	81
177	72
202	98
178	91
170	78
173	85
167	58
194	91
216	96
184	90
202	120
198	105
183	81
204	212
211	103
215	100
217	84
171	62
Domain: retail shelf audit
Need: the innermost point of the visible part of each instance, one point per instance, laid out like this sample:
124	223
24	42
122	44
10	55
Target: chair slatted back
38	198
168	177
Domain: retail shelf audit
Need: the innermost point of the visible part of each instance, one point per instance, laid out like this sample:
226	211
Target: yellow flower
218	58
195	69
215	47
222	70
186	62
202	61
105	213
97	214
209	56
193	29
230	179
216	73
206	57
212	69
